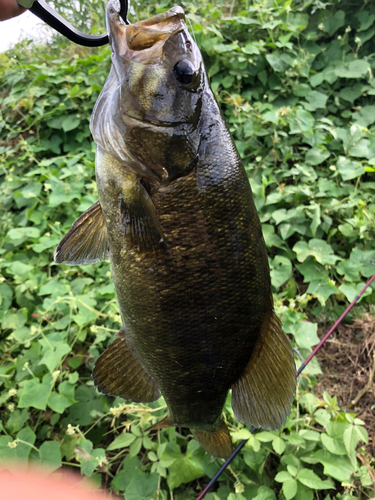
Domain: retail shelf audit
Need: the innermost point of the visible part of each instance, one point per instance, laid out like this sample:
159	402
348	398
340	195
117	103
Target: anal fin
261	397
217	443
117	372
86	241
164	423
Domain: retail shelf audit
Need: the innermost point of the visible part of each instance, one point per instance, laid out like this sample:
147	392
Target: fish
176	218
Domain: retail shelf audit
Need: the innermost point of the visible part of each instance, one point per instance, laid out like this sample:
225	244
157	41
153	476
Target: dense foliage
295	82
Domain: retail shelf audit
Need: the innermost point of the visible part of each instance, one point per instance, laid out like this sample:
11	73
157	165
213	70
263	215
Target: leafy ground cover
295	82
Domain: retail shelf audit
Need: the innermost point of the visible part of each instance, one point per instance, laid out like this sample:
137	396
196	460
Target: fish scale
177	219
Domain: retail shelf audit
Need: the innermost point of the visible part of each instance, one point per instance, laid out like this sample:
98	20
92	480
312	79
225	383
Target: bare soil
348	363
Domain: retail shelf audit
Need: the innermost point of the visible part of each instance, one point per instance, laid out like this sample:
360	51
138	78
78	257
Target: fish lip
160	124
142	41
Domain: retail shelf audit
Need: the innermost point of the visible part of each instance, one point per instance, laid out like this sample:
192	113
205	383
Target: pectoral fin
262	395
217	443
142	227
117	372
86	241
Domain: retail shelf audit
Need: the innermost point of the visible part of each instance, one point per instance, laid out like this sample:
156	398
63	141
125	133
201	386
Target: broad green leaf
354	69
281	270
22	450
123	478
53	356
333	23
36	392
70	123
322	290
290	488
14	320
278	445
316	156
315	100
338	467
312	480
349	169
279	62
122	441
142	486
305	333
50	455
350	94
351	290
352	436
32	190
283	476
365	116
319	249
187	467
333	445
19	235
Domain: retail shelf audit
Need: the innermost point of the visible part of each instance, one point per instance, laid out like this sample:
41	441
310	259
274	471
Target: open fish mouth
143	41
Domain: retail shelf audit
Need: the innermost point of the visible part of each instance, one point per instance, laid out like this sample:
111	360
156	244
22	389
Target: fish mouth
143	41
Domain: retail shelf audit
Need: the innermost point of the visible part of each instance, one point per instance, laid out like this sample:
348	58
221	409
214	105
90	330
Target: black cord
42	10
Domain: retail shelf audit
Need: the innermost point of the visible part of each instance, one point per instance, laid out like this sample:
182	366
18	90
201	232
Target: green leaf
290	488
316	156
122	441
54	355
311	480
322	290
315	100
365	116
188	467
283	476
281	270
349	169
354	69
352	436
32	190
70	123
22	450
35	393
350	94
14	320
351	290
60	402
333	445
317	248
123	478
338	467
19	235
305	333
50	455
279	62
142	486
278	445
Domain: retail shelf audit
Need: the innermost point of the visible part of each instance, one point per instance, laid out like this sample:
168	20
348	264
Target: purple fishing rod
302	367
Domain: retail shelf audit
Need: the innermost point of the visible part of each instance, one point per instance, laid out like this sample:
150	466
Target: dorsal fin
86	241
262	395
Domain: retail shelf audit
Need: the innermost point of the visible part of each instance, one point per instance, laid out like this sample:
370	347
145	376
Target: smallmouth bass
177	220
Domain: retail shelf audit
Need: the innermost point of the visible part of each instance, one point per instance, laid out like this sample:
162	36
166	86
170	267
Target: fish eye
184	72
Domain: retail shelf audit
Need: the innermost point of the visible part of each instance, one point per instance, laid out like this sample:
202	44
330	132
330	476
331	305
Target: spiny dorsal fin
118	372
86	241
262	395
217	443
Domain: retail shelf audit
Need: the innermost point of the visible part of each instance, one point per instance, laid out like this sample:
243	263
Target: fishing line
300	369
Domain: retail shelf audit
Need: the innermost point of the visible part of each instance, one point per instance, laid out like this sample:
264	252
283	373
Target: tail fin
217	443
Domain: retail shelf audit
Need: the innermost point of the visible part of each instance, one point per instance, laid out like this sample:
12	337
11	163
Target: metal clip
42	10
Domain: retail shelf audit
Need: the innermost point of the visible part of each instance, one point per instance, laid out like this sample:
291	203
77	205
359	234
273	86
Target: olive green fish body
177	219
